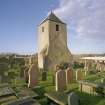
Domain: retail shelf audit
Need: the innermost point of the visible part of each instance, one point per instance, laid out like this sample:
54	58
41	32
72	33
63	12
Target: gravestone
44	76
57	67
85	72
33	76
103	80
22	71
73	99
69	76
26	76
79	75
60	80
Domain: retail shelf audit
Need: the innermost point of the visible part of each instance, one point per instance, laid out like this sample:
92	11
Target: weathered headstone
103	80
44	76
79	75
26	76
22	71
85	72
57	67
73	99
69	75
33	76
60	80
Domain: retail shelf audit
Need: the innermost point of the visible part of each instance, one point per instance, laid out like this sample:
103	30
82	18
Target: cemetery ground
48	87
18	84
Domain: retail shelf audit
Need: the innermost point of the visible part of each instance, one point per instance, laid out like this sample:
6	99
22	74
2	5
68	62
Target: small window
57	27
42	29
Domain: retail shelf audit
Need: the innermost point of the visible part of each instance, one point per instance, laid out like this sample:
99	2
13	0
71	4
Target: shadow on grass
87	99
40	91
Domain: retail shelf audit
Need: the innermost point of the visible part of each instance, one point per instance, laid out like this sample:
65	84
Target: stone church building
52	43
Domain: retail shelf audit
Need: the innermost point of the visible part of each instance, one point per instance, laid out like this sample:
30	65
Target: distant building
52	43
97	62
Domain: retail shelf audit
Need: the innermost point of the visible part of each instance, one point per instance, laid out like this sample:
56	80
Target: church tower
52	43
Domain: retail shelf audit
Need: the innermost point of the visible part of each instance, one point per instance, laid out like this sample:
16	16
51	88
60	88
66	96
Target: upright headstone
103	80
73	99
26	76
33	76
57	67
69	76
79	75
44	76
22	71
85	72
60	80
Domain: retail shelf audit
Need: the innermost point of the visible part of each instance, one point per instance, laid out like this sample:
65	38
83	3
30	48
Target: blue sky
19	20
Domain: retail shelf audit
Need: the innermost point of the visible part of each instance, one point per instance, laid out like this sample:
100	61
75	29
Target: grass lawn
87	99
95	77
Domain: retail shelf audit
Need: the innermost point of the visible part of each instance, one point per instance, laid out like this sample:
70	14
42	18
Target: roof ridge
52	17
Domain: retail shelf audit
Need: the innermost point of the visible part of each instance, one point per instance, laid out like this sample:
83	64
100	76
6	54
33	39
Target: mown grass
87	99
95	77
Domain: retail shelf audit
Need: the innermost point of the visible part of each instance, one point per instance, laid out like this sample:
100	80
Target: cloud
86	17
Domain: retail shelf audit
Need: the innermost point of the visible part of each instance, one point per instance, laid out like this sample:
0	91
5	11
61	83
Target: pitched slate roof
52	17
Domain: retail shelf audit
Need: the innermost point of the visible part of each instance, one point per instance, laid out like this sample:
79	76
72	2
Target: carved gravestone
60	80
73	99
69	76
79	75
33	76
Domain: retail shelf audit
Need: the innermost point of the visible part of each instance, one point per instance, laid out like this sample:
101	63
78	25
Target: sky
85	20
